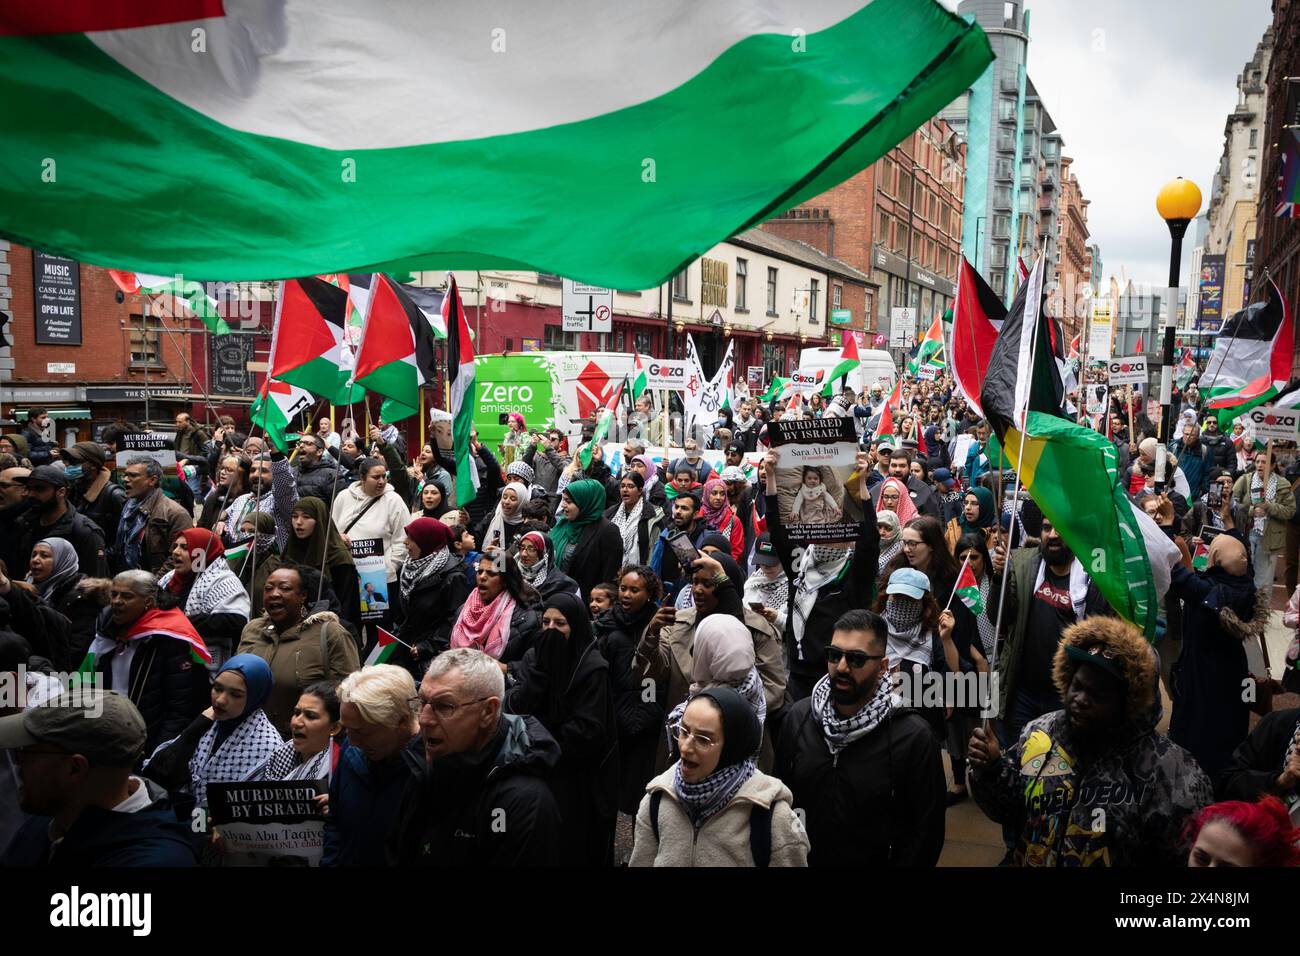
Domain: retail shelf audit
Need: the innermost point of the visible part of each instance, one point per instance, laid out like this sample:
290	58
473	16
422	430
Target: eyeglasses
1100	650
442	709
703	741
855	659
912	544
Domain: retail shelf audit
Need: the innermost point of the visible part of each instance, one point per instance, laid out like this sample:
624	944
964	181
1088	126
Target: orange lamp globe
1178	199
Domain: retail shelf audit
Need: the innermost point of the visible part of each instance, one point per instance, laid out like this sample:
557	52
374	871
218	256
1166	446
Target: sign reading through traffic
1275	424
665	374
587	308
1127	371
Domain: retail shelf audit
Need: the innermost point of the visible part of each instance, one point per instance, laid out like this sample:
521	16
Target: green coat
1280	510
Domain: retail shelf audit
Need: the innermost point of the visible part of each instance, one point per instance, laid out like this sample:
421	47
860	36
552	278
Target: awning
71	414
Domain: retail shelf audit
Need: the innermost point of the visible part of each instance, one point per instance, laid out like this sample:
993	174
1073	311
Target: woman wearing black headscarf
664	653
314	542
714	807
563	681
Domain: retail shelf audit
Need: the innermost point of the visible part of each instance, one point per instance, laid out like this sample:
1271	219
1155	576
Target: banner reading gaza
815	458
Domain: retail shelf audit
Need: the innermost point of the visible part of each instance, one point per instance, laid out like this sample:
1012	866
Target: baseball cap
732	473
765	552
944	477
86	452
1100	655
101	725
736	447
908	581
46	473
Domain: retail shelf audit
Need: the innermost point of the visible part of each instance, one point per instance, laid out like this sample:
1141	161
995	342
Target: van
550	389
876	365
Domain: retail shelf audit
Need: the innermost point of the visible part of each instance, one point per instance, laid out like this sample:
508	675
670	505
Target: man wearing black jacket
865	771
52	517
1266	762
822	588
317	473
478	795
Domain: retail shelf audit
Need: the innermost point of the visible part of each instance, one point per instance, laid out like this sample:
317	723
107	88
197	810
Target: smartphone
757	605
1215	496
503	418
686	552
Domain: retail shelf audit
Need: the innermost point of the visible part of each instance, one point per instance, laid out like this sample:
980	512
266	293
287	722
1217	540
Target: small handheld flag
968	589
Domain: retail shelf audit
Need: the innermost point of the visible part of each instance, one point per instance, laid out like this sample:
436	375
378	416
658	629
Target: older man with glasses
478	794
866	771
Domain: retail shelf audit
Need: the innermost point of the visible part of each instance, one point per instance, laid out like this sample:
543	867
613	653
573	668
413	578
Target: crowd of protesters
562	662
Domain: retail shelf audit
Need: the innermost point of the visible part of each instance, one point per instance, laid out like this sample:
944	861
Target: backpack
760	829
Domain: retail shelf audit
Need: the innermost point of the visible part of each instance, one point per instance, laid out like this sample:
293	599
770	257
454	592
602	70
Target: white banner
1127	371
1099	332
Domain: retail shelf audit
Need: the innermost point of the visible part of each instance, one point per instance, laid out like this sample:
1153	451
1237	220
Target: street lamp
1178	203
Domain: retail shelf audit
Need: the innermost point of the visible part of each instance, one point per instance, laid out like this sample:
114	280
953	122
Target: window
900	241
554	339
1006	141
905	187
998	256
998	285
644	342
882	229
742	276
837	290
680	288
144	341
887	178
1009	14
771	290
1006	109
814	290
1001	197
1254	138
1002	169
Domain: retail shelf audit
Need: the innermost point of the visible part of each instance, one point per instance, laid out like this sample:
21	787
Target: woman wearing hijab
588	548
228	742
894	497
978	516
55	574
212	597
315	541
717	513
654	481
431	589
637	520
431	501
537	565
891	537
500	529
665	653
714	807
254	555
502	614
814	503
563	680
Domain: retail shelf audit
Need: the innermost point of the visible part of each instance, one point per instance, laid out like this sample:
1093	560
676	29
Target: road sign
1127	371
587	308
902	328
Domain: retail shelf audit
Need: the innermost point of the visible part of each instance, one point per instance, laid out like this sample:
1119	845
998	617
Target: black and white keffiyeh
628	524
216	590
1258	493
988	633
537	573
712	794
769	592
842	731
751	688
287	764
415	571
238	757
817	567
907	640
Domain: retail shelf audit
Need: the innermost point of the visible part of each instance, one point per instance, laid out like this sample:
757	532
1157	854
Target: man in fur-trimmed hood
1094	784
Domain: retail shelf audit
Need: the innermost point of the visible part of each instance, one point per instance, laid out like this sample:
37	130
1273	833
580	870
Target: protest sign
815	457
269	821
372	576
160	446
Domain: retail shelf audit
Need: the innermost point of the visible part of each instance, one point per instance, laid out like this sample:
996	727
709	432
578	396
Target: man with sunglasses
74	756
865	771
478	795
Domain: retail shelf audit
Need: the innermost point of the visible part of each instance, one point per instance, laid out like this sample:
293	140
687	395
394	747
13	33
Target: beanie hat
430	534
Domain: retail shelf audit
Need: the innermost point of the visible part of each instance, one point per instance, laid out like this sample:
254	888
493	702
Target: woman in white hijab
500	529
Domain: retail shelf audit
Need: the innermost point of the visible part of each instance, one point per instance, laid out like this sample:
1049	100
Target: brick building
1073	255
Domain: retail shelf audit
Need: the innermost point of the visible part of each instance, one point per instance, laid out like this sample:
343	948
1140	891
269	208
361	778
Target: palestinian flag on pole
602	426
386	646
775	390
638	375
885	426
190	294
308	126
1251	361
309	341
460	375
968	589
849	368
276	406
758	521
1071	471
1186	370
974	334
930	348
153	623
396	355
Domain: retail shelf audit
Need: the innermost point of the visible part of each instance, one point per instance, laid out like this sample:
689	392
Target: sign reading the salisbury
56	282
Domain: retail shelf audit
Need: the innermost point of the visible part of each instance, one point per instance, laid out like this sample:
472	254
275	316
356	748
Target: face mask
553	634
72	472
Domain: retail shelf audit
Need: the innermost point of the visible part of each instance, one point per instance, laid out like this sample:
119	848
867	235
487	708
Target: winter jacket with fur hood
723	840
1143	786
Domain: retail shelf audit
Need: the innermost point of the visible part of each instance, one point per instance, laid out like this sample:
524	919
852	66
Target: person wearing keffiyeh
212	595
699	811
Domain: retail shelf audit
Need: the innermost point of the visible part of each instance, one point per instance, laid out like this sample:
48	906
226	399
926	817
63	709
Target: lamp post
1178	203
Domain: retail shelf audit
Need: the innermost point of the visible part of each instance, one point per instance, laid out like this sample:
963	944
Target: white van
876	365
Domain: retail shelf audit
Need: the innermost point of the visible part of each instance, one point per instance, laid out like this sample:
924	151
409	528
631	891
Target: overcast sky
1140	92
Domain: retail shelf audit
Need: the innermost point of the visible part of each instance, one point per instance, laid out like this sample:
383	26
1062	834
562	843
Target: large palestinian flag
191	294
461	387
309	343
1251	361
396	354
1071	471
974	333
232	139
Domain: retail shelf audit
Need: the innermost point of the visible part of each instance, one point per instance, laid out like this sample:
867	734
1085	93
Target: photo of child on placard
815	457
